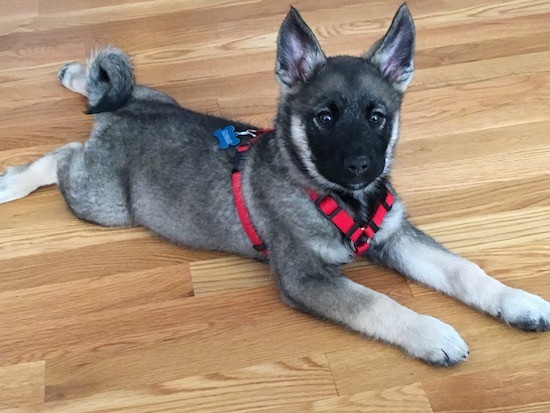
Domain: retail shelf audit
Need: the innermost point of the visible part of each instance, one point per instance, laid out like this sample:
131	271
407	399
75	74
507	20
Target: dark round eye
376	118
325	118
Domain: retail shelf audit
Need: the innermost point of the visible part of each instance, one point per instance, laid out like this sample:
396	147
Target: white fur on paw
523	310
436	342
10	188
73	77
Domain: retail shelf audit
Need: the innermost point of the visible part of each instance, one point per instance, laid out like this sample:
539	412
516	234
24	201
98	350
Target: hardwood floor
102	320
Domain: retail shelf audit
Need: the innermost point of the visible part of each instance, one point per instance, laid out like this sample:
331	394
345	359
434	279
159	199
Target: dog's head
340	115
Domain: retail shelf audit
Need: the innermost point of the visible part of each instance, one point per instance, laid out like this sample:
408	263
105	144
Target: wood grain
411	398
245	390
22	383
97	320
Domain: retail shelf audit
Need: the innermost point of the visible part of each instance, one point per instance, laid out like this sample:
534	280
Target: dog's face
342	113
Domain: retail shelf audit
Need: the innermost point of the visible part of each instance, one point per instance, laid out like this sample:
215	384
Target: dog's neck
359	204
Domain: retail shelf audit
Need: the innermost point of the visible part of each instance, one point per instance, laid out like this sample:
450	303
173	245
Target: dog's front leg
417	256
313	286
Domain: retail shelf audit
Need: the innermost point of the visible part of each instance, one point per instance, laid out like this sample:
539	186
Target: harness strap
360	236
242	210
240	202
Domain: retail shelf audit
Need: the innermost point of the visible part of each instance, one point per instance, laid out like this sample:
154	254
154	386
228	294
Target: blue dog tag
227	137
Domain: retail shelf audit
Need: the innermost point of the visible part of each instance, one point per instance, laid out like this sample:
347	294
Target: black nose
356	164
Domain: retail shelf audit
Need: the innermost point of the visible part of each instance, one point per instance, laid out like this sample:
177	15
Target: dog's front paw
523	310
436	342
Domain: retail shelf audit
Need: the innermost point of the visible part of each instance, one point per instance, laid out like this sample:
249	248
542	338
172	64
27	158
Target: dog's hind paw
523	310
73	77
436	343
9	188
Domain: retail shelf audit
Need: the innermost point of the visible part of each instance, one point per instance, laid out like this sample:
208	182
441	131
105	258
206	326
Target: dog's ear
393	54
298	51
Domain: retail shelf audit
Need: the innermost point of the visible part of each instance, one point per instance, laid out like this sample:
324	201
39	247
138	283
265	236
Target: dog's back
149	162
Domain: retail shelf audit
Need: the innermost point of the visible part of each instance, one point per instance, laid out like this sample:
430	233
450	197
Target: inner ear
298	51
393	55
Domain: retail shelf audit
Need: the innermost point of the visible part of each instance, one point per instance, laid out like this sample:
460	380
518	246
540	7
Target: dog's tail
110	80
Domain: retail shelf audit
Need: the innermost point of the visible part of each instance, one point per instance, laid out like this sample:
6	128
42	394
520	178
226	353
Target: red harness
359	235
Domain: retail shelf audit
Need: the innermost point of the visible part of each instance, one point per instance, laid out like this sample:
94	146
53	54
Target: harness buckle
355	248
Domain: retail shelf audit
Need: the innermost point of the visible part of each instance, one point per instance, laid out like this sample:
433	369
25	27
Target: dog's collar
359	235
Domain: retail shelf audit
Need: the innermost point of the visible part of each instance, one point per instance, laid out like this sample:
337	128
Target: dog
149	162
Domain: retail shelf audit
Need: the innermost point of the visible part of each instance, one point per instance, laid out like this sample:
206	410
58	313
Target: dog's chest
333	250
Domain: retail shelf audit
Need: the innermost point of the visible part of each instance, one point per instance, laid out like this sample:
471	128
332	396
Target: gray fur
149	162
110	80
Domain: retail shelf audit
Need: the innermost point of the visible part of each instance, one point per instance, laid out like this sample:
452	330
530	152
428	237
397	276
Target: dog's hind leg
95	186
19	181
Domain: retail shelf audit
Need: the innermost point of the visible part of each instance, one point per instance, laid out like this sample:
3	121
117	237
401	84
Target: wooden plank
286	382
90	295
475	233
22	383
492	389
411	398
478	50
17	8
99	260
228	274
70	233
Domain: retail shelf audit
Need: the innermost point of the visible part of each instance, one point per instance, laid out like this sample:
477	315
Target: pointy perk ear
393	54
298	51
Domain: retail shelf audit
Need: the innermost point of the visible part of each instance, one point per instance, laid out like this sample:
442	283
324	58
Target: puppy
309	195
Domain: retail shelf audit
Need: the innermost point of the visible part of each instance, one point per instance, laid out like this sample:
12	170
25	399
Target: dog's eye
325	118
376	118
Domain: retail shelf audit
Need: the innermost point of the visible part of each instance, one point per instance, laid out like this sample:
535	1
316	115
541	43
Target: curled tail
109	80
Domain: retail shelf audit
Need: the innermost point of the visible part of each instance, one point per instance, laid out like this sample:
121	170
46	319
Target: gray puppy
152	163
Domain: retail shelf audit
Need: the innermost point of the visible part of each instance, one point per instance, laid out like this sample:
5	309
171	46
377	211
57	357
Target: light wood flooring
105	320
